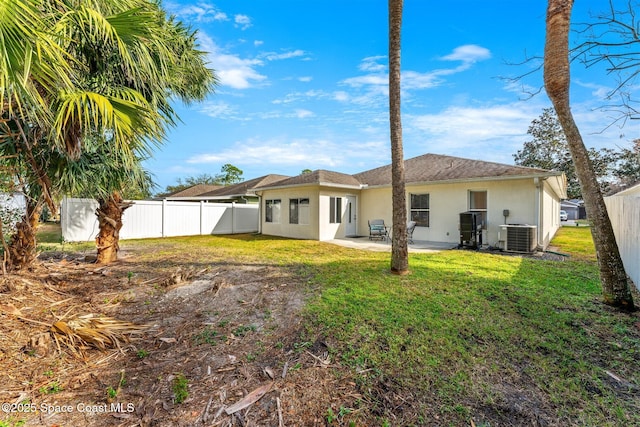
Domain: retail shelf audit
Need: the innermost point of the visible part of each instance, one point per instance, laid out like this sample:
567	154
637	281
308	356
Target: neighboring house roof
317	177
244	188
194	190
435	167
570	204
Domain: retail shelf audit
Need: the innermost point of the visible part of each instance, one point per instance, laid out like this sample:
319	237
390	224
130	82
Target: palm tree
173	66
103	173
120	61
399	250
615	287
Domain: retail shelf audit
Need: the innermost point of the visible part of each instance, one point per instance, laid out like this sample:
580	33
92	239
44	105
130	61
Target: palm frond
86	332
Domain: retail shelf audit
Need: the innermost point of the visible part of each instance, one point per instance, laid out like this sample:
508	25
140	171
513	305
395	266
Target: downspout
536	181
259	194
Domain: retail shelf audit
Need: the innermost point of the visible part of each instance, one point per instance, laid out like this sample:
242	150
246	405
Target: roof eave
476	179
205	198
312	184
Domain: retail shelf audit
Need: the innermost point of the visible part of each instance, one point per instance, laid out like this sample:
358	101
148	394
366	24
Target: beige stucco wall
447	201
550	214
332	231
284	229
528	201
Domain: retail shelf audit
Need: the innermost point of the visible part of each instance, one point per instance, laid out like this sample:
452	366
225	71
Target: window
272	211
299	211
420	209
478	203
335	210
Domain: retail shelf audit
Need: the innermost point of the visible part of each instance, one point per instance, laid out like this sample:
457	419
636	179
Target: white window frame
483	211
420	210
335	210
299	211
272	211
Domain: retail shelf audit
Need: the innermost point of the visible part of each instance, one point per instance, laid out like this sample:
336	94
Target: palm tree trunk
109	214
399	250
22	247
615	287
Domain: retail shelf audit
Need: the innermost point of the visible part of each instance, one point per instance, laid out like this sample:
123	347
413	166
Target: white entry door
350	216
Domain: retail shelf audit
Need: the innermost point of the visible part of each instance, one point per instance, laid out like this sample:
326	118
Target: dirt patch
215	337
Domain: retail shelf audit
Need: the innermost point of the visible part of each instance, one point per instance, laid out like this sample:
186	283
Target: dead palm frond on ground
85	332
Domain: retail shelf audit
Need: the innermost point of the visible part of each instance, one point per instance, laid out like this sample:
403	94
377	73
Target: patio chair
377	229
411	225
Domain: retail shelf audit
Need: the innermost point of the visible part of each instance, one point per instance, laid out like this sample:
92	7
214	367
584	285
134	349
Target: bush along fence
151	218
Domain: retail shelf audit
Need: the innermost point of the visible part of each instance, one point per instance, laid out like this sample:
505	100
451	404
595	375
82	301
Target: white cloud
305	79
200	12
272	56
303	114
484	132
468	53
371	64
415	80
276	152
282	152
495	132
242	21
469	123
341	96
258	43
377	79
302	96
232	70
220	110
601	92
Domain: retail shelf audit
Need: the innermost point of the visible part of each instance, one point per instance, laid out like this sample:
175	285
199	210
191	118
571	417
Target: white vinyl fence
624	212
150	218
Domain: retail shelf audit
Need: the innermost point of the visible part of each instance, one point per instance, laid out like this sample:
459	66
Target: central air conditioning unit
470	230
520	237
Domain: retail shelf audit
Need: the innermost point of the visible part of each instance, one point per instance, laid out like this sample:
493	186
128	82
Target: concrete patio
418	246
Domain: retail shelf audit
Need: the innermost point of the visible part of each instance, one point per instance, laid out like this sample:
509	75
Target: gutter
463	180
313	184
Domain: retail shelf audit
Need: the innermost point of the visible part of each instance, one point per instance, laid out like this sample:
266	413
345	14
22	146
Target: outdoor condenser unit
520	237
470	230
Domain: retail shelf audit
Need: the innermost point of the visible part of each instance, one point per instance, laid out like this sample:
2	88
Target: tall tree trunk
399	250
109	214
615	287
22	247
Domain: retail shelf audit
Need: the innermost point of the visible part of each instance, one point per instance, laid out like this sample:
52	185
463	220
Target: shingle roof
435	167
194	190
318	177
245	187
421	169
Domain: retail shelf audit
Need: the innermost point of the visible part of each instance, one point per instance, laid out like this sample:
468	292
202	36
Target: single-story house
574	209
242	192
325	205
191	193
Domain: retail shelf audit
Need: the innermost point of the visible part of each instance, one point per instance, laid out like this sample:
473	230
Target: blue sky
303	85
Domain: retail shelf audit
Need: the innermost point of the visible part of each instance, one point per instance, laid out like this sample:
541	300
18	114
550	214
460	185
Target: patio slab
418	246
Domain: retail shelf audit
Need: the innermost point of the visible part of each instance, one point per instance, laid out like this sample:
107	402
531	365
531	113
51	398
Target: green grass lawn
467	336
471	335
